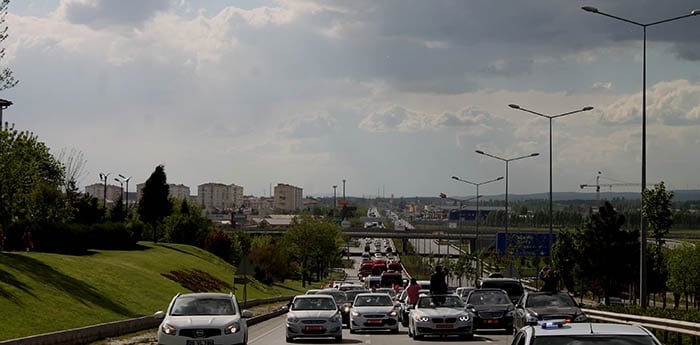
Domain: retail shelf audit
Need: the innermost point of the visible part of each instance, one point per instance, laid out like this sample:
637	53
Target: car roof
207	295
370	294
589	329
314	296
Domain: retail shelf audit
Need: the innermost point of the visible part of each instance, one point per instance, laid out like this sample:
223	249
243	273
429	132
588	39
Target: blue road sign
525	243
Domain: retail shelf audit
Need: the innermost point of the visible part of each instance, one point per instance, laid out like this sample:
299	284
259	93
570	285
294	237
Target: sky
392	96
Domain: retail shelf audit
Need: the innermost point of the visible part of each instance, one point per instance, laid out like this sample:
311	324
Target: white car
203	319
440	315
314	316
374	310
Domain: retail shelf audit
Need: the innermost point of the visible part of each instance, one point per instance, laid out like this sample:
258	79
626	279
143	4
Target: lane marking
266	333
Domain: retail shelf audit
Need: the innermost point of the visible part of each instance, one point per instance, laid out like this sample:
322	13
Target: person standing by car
438	281
412	292
550	279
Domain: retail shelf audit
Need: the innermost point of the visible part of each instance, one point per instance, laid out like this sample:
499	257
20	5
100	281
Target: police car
559	332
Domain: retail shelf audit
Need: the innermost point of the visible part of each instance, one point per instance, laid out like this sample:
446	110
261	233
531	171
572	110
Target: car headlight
355	313
335	318
167	329
421	318
580	318
393	313
464	318
292	319
232	328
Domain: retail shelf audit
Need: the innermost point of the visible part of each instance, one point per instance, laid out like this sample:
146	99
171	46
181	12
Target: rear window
513	288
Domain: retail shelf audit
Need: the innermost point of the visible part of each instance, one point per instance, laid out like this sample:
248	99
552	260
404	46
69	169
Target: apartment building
287	198
175	191
97	190
219	196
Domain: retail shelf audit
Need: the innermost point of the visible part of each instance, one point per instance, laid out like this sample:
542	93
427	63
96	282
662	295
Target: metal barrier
654	324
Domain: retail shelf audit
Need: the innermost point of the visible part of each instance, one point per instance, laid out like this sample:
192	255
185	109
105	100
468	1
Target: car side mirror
246	314
285	308
159	315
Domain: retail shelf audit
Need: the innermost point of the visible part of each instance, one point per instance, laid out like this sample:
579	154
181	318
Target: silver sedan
374	310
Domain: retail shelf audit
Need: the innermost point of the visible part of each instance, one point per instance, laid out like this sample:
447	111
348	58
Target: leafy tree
314	243
606	254
118	211
219	244
187	226
155	203
269	259
29	178
684	275
657	211
7	79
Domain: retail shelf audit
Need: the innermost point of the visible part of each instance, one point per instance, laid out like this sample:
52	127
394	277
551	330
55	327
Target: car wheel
510	330
339	339
418	337
352	331
289	339
469	336
395	330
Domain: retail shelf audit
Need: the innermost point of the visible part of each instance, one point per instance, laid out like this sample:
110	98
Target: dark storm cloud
102	13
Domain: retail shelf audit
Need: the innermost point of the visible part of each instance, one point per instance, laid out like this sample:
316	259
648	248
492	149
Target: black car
491	309
511	286
342	300
536	306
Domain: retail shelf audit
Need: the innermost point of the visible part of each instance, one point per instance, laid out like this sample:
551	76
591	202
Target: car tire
394	330
352	331
289	339
339	339
510	330
417	337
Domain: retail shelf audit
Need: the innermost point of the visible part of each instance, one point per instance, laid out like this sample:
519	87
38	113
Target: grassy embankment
42	292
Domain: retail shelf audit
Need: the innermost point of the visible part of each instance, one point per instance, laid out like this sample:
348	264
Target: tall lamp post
550	117
121	187
126	180
478	214
642	232
507	161
335	204
103	178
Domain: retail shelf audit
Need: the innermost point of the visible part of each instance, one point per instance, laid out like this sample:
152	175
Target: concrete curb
90	334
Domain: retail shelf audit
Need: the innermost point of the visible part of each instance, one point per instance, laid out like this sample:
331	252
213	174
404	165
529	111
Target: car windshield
594	340
352	293
314	304
338	296
488	297
203	306
550	300
440	302
373	300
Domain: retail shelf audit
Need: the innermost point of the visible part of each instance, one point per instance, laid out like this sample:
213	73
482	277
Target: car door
520	314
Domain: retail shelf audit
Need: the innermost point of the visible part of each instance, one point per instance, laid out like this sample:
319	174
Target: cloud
602	86
675	103
104	13
400	119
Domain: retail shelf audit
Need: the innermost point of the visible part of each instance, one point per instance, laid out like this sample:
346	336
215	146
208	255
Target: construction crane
597	186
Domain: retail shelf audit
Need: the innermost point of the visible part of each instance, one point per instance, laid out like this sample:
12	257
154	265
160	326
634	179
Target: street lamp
642	231
478	214
121	187
3	105
126	180
103	178
507	160
550	117
335	204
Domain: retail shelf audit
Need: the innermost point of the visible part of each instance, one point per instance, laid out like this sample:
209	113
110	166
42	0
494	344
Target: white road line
265	334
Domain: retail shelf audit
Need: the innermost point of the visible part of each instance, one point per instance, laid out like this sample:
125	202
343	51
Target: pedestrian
27	239
412	291
550	279
438	281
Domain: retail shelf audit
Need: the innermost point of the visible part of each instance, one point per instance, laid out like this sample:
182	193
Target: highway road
272	332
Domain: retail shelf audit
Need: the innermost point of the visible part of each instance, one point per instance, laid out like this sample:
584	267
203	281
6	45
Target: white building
219	196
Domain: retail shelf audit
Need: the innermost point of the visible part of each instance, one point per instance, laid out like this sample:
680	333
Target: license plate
313	328
443	325
374	321
491	321
200	342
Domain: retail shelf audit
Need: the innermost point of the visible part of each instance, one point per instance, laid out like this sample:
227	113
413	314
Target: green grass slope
42	292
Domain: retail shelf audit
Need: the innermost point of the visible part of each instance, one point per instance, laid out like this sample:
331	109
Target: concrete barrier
90	334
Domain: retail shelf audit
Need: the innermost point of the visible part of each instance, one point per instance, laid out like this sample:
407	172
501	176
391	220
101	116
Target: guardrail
654	324
90	334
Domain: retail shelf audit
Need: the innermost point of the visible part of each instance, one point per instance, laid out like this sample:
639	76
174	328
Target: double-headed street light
478	215
507	160
550	117
642	231
126	180
103	178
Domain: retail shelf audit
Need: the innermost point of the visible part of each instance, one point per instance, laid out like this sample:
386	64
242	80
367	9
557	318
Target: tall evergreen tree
155	203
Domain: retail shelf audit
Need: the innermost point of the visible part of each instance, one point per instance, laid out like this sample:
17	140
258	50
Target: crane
597	186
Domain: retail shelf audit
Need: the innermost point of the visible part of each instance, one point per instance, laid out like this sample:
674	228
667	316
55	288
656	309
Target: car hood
555	310
441	311
312	314
190	321
373	309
